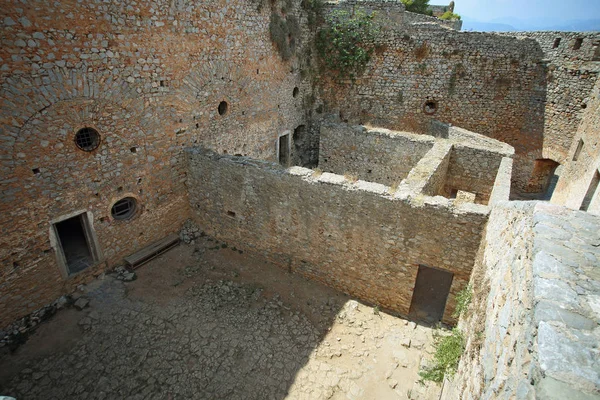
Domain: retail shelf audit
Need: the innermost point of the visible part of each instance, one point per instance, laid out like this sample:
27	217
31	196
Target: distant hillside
514	24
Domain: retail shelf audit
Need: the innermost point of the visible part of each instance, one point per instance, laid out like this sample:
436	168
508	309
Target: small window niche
591	195
283	150
430	107
124	209
223	108
556	43
578	150
578	43
87	139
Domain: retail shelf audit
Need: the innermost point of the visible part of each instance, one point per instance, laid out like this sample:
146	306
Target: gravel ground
207	322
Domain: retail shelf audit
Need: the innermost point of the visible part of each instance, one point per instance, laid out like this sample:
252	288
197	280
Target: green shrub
449	15
463	299
346	43
418	6
448	350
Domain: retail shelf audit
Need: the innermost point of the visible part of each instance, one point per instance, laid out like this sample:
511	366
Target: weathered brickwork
532	327
149	77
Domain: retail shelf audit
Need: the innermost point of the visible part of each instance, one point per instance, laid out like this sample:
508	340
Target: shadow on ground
208	322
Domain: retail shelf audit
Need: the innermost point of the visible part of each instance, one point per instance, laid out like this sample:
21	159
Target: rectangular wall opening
430	294
75	245
592	192
578	150
556	43
284	150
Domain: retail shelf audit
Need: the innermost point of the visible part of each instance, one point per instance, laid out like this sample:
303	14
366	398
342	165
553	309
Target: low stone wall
473	170
375	155
532	327
351	235
414	18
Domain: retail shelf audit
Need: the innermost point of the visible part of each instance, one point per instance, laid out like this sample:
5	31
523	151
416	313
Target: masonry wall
374	155
352	236
531	328
149	77
577	175
472	170
513	87
570	76
482	82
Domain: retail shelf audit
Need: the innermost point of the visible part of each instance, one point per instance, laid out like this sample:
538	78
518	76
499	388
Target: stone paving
172	336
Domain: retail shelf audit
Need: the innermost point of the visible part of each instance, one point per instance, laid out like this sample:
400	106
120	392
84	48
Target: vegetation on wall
448	350
449	15
346	42
418	6
285	33
314	10
463	299
449	346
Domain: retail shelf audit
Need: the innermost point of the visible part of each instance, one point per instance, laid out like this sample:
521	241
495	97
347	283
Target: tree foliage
345	44
418	6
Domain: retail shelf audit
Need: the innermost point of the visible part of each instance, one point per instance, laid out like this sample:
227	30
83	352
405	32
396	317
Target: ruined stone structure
366	228
122	120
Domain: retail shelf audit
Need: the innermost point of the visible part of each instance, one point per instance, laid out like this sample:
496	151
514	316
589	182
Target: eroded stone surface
221	338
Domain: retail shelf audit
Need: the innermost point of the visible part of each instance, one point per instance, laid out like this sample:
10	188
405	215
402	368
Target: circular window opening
295	92
430	107
87	139
124	208
223	108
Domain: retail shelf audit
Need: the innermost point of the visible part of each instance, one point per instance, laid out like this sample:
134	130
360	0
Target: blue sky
554	11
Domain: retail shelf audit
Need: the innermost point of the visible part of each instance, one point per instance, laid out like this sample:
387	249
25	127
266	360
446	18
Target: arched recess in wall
31	101
199	106
543	177
48	173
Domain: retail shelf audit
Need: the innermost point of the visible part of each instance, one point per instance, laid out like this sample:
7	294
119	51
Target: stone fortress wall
513	87
364	238
572	68
532	327
580	175
149	77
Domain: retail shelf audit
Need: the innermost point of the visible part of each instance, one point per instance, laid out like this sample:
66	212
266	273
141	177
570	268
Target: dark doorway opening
284	150
544	178
591	193
74	243
430	294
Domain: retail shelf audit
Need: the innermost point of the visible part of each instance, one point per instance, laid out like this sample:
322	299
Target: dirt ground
207	321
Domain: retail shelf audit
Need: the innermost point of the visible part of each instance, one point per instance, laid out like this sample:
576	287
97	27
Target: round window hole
295	92
223	108
430	107
87	139
124	208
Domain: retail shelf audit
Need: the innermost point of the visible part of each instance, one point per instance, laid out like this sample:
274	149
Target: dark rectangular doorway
74	243
430	294
284	150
